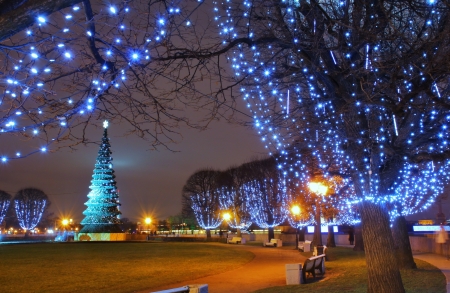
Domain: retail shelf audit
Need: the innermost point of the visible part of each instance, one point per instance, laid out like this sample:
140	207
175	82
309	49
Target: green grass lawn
346	272
110	267
128	267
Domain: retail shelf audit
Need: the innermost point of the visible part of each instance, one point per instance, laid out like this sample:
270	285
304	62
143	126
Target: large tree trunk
271	233
382	269
239	233
330	240
402	246
359	242
317	240
208	235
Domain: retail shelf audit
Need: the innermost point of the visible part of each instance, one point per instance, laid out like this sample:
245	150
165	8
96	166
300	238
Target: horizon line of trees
259	193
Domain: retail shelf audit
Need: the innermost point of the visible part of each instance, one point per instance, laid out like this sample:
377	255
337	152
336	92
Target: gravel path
267	269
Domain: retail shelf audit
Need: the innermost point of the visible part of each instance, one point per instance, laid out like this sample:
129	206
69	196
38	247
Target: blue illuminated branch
232	201
23	17
206	218
384	126
64	70
266	198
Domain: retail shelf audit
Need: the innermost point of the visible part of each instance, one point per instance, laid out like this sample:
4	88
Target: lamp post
148	221
320	190
295	210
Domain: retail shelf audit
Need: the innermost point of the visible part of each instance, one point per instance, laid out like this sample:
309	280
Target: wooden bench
324	251
311	265
184	289
274	243
197	288
305	246
235	240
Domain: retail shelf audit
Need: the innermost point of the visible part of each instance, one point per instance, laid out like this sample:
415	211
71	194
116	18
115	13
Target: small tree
233	198
300	215
266	195
201	194
5	200
30	204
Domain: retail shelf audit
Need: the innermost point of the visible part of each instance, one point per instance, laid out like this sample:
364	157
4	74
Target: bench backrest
308	265
315	257
314	262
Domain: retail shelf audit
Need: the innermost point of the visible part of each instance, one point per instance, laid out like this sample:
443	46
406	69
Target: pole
447	251
296	238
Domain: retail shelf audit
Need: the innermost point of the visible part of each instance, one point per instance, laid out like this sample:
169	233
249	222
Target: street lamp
318	188
226	216
295	210
148	221
65	222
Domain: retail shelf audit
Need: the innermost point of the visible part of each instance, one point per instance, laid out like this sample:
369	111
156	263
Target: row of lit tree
258	192
261	192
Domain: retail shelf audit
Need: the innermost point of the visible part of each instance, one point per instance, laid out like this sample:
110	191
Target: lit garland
233	201
29	204
348	214
375	129
29	212
5	200
266	198
299	221
206	209
102	213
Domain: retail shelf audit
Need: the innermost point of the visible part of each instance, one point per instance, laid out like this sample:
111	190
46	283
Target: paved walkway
438	261
267	269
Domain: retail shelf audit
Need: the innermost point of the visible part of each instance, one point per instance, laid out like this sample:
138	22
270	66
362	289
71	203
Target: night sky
149	181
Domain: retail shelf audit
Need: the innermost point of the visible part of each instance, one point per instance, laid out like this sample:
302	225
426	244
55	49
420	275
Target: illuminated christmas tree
102	214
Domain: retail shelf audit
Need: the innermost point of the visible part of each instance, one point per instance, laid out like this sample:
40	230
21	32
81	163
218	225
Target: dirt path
267	269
